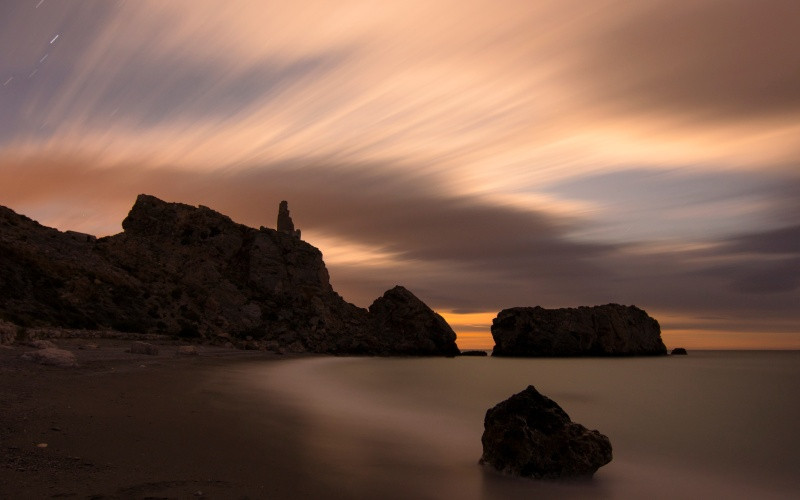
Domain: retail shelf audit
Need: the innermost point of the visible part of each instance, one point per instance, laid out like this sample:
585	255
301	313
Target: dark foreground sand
124	425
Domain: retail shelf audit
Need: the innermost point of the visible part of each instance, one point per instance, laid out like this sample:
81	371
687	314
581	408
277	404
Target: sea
712	424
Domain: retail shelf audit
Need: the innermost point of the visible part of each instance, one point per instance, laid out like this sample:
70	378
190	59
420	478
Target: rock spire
285	223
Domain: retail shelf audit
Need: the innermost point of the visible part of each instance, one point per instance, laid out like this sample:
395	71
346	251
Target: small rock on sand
143	348
41	344
52	356
188	350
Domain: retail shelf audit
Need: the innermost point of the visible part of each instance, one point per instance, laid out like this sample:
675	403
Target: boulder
144	348
8	333
474	353
530	435
52	356
679	351
405	325
608	330
41	344
187	350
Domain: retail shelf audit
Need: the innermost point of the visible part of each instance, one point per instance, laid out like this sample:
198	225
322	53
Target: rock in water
678	351
405	325
609	330
529	435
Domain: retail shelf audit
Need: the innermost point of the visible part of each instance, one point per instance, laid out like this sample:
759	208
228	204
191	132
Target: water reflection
410	428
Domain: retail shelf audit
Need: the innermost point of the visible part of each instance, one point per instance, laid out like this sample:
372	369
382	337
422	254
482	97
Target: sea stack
608	330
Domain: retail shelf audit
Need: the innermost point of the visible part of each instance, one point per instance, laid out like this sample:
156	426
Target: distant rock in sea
530	435
194	273
474	353
608	330
679	351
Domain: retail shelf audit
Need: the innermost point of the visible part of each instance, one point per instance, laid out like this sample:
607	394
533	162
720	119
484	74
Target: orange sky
485	155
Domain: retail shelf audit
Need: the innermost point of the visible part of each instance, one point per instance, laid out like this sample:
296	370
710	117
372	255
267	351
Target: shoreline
231	423
123	425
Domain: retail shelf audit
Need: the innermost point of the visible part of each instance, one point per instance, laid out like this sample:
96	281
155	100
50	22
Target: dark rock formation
193	272
679	351
474	353
285	223
530	435
405	325
609	330
143	348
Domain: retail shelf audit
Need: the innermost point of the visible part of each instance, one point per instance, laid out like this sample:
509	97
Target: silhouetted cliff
193	272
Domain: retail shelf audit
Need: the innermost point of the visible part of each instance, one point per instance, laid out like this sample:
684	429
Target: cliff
608	330
193	272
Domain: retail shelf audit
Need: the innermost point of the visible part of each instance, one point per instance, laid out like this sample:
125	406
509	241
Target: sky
483	154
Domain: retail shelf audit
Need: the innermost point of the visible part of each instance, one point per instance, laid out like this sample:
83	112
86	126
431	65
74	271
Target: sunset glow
484	155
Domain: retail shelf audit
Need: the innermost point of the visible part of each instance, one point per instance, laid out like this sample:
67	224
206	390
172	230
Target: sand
122	425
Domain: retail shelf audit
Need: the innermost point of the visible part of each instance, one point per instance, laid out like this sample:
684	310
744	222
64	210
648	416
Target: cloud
171	90
689	204
781	241
459	254
461	239
700	61
551	153
763	262
489	97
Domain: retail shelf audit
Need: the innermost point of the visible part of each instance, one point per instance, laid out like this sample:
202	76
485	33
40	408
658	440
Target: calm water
711	424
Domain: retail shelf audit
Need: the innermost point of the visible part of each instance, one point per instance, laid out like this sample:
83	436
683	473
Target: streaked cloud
714	61
553	153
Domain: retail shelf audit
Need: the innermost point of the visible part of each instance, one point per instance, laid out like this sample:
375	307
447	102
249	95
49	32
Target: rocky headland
193	273
608	330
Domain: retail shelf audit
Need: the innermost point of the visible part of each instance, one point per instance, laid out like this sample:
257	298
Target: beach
124	425
246	424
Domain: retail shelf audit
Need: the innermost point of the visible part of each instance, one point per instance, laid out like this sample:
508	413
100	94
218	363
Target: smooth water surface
721	423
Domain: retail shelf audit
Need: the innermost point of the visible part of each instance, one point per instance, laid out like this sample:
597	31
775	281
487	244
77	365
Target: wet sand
124	425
